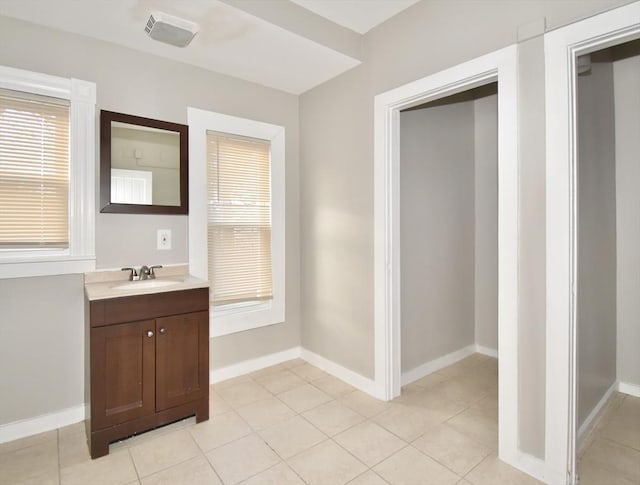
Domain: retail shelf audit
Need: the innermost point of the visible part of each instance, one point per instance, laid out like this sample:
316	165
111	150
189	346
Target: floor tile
492	471
333	386
451	448
73	448
35	439
476	425
369	442
333	417
304	398
410	467
280	474
48	478
243	393
368	478
112	469
165	451
326	463
242	459
234	381
219	430
292	436
364	404
266	412
614	457
217	405
191	472
23	463
407	423
622	430
282	381
590	474
308	372
72	429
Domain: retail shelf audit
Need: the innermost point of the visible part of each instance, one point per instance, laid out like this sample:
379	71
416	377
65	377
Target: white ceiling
358	15
231	41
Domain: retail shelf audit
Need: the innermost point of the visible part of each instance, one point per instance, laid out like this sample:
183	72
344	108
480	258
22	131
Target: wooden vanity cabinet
148	363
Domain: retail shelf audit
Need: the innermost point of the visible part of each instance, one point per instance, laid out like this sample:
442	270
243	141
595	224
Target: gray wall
437	231
337	173
626	74
156	88
486	221
596	237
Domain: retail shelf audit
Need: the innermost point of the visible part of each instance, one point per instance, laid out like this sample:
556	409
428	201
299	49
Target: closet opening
608	264
449	265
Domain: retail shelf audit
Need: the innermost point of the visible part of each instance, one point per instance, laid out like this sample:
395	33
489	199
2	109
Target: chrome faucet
144	273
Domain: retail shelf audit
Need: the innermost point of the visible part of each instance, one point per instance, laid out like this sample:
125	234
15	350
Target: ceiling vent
170	30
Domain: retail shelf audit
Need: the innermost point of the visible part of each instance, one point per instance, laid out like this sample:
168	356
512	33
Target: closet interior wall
448	226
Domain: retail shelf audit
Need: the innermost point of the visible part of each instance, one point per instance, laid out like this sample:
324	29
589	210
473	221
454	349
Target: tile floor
610	454
294	424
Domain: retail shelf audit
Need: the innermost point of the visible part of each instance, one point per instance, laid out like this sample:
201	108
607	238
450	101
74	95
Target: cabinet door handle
149	333
163	331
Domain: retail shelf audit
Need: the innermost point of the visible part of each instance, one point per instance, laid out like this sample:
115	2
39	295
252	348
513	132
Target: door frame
500	66
562	46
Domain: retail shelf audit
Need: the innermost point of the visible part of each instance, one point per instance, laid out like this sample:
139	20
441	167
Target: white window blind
34	171
239	218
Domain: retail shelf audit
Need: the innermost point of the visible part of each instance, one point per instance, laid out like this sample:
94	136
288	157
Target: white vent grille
170	30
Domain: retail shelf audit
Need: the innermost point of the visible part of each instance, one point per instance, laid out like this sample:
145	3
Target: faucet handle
152	274
133	274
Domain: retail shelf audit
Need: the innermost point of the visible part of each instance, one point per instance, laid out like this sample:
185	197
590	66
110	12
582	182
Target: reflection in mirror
143	165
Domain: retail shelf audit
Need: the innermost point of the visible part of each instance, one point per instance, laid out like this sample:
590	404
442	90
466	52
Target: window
236	218
46	174
239	219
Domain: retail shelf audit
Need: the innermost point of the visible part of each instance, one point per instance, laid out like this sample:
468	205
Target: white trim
592	419
252	365
436	364
352	378
487	351
628	388
80	256
40	424
500	66
531	465
561	48
199	121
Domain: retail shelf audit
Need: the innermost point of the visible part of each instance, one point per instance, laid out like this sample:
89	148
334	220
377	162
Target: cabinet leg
98	447
202	411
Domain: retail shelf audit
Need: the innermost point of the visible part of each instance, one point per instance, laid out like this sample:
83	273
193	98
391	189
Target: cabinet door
122	372
182	359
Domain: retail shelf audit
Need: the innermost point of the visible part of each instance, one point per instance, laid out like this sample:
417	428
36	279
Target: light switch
164	238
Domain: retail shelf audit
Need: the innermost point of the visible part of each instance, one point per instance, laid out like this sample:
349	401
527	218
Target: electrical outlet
164	238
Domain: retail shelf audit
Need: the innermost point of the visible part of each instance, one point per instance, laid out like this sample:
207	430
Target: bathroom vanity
147	356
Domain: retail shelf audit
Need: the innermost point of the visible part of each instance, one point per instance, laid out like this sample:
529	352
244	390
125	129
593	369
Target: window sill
45	266
240	319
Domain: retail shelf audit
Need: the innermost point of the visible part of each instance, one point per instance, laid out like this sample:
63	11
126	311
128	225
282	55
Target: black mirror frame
106	117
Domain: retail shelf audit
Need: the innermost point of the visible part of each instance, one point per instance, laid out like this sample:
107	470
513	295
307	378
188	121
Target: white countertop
100	285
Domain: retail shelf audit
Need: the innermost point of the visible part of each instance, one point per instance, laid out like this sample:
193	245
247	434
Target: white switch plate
164	238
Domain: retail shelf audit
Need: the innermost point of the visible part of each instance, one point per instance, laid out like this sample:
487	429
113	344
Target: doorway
499	67
571	399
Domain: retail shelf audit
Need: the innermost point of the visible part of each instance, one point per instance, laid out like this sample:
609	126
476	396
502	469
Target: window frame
79	257
236	317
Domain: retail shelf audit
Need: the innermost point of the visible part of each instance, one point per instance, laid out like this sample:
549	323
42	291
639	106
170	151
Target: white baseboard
591	420
628	388
436	364
252	365
352	378
529	464
40	424
487	351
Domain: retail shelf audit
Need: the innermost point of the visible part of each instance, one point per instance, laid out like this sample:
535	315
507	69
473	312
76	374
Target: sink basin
145	284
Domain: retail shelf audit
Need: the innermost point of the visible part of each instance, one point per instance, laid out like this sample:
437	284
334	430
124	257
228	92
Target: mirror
143	165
